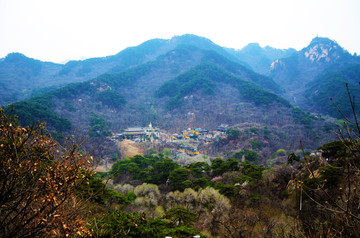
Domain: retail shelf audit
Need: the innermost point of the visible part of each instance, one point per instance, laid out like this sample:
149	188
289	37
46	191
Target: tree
120	224
217	166
249	155
198	169
328	189
38	181
99	126
181	216
233	133
177	177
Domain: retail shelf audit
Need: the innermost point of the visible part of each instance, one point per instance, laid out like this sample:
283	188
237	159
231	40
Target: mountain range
188	81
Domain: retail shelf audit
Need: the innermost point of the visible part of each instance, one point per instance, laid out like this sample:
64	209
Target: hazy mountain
260	59
185	87
22	77
145	79
333	85
320	56
187	81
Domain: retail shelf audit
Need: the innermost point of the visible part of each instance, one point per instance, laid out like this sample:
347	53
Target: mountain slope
143	81
320	57
186	87
333	85
260	59
322	54
22	77
204	77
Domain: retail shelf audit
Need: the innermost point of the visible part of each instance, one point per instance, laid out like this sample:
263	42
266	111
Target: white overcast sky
59	30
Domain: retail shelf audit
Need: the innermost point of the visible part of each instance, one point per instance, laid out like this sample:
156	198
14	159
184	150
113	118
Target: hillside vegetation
225	151
154	196
332	86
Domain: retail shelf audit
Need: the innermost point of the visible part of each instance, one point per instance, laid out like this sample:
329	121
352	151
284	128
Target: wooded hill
185	87
22	77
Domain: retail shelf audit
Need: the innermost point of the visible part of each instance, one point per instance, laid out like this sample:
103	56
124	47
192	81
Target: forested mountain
258	175
145	79
22	77
185	87
332	86
187	81
320	57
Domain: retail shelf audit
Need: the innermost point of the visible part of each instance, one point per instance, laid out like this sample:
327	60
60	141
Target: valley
186	138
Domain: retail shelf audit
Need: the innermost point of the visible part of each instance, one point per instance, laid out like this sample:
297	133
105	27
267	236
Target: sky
61	30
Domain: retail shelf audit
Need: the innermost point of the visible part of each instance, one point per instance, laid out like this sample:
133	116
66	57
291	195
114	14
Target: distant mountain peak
192	40
15	56
253	48
321	40
322	49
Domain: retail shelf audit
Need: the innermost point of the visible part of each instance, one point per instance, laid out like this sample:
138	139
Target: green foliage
256	197
38	109
148	169
238	69
229	191
256	145
39	91
217	167
186	84
254	130
300	116
160	171
266	132
332	85
94	190
187	184
202	182
230	165
292	157
181	216
115	158
331	174
126	78
111	98
99	127
69	106
335	149
72	90
131	196
177	178
120	224
198	169
243	178
174	102
280	152
249	155
204	77
166	152
251	170
233	133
